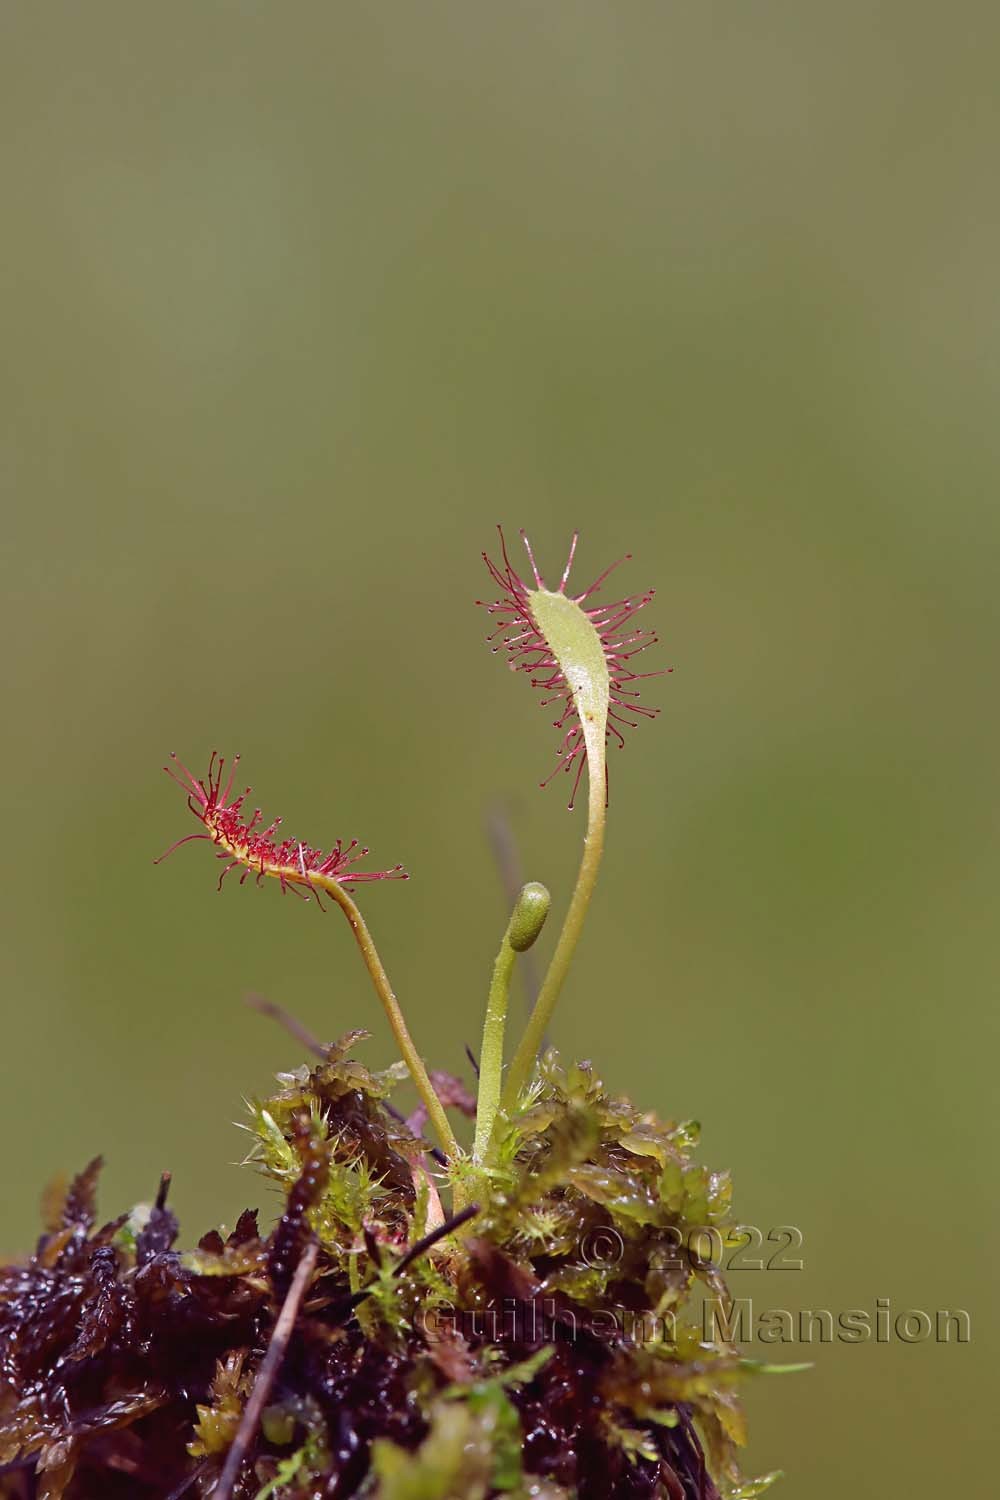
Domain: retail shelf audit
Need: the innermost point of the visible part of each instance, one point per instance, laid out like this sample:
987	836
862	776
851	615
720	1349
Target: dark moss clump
541	1349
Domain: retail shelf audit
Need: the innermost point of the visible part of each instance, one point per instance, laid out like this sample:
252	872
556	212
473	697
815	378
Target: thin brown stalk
269	1368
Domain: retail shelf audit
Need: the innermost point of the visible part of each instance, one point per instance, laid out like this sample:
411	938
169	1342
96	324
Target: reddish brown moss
501	1359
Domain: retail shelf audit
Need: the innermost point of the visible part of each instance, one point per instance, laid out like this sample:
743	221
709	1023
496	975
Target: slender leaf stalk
394	1014
590	863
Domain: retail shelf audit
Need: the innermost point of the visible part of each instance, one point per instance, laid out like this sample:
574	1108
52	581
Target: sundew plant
495	1293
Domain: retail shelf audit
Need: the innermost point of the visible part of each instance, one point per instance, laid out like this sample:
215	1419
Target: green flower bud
528	917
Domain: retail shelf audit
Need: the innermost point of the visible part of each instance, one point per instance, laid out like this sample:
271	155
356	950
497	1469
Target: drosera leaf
577	648
577	652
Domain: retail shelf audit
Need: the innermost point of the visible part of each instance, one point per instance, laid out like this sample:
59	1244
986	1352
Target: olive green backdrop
298	301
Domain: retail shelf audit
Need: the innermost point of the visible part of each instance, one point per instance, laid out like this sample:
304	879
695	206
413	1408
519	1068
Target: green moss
549	1339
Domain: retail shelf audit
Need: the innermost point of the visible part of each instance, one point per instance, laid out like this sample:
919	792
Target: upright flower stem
526	922
590	863
491	1051
394	1014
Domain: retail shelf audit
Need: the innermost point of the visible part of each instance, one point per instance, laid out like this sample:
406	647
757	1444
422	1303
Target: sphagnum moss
421	1323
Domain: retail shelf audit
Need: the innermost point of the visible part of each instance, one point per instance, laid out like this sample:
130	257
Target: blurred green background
298	301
